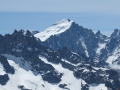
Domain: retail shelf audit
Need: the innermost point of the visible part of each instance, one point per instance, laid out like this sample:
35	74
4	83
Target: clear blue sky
103	15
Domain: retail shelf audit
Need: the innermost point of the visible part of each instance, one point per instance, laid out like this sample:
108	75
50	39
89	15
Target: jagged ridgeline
65	56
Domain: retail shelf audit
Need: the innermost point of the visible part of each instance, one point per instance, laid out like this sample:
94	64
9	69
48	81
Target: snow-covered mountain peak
62	21
55	29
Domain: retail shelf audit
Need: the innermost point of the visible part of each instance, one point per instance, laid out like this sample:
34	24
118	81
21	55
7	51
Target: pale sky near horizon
103	15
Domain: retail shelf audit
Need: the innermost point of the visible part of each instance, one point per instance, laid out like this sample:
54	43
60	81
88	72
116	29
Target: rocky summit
65	56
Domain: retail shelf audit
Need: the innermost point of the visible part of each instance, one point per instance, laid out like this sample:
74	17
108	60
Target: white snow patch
25	32
86	70
97	68
101	46
98	87
84	46
67	78
22	77
57	28
114	66
19	61
114	56
2	72
111	59
64	60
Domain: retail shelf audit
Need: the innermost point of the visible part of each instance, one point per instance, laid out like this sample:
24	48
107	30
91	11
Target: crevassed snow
67	78
57	28
101	46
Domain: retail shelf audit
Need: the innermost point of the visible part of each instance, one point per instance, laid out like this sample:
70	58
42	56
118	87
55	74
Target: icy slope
55	29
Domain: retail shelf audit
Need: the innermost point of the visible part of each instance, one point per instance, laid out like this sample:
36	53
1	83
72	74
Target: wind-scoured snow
55	29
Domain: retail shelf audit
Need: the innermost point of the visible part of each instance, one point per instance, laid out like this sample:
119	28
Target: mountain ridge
55	29
59	69
80	40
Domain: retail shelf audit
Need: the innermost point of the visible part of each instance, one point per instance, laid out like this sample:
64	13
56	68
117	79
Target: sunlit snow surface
2	72
69	79
84	46
23	77
54	29
101	46
114	55
98	87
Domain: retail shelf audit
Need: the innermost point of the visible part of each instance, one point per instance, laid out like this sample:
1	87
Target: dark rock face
110	48
4	79
6	65
75	38
24	44
72	57
35	32
115	34
92	76
101	37
85	87
52	77
63	86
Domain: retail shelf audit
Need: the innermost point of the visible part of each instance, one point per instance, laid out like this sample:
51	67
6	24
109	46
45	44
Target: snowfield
55	29
69	79
22	77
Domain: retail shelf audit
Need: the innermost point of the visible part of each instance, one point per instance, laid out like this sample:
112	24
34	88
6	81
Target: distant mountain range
65	56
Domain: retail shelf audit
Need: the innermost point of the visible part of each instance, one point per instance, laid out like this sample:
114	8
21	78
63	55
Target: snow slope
98	87
101	46
22	77
55	29
114	56
69	79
